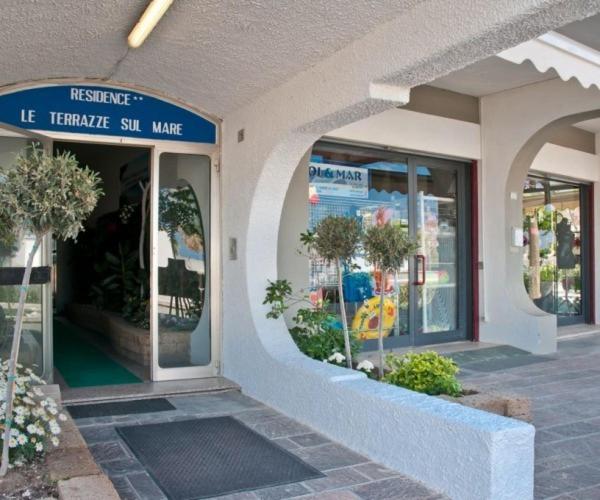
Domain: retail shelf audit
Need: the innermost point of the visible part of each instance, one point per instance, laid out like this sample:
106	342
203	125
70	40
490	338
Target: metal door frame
463	252
156	147
213	368
45	252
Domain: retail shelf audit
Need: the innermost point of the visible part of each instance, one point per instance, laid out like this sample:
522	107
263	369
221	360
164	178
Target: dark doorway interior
101	290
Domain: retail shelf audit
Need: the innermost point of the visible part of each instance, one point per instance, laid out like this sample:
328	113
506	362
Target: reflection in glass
552	257
31	349
437	309
373	188
183	269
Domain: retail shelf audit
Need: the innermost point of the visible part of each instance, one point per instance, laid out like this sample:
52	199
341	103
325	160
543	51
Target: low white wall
418	132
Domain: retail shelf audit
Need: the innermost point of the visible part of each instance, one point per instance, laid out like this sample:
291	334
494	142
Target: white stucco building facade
272	85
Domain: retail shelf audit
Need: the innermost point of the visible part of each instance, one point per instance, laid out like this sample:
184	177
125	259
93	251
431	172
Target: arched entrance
525	125
136	297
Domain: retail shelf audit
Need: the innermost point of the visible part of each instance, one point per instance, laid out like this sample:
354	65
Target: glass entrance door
556	244
183	295
428	301
439	265
36	343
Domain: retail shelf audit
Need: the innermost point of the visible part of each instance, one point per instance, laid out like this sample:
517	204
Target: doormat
82	364
209	457
120	408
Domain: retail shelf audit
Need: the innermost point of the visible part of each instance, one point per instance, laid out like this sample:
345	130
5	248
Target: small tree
387	246
336	240
42	194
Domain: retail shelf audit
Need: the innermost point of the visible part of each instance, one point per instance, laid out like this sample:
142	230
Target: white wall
477	456
516	125
293	265
418	132
567	162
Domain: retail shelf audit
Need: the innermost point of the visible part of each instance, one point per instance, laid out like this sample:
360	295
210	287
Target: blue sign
84	109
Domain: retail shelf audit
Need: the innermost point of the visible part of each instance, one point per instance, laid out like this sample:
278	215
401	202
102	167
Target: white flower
22	439
19	419
337	357
55	429
14	432
365	365
55	441
32	429
12	442
37	391
39	447
62	417
52	410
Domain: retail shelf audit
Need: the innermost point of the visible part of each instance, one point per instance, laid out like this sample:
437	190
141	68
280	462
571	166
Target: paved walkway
565	393
349	476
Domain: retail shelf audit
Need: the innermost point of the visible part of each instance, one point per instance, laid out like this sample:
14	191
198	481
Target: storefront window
554	237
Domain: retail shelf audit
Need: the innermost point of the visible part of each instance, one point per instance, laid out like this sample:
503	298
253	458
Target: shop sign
339	180
85	109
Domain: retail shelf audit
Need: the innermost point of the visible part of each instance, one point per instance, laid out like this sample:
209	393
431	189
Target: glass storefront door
428	301
556	240
182	278
35	349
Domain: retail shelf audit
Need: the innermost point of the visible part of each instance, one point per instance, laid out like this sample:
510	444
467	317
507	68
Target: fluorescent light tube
153	13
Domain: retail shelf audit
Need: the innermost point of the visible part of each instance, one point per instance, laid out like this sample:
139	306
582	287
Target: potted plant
41	194
387	247
336	240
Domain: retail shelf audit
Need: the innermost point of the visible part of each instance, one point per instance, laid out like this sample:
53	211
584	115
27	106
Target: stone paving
348	475
565	392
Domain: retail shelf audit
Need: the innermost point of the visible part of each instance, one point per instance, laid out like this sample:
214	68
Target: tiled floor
349	476
565	393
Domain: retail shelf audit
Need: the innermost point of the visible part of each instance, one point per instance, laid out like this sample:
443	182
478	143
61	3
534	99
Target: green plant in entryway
387	247
336	240
42	194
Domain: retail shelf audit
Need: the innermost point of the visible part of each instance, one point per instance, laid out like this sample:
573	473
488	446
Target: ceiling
590	125
586	31
494	74
220	53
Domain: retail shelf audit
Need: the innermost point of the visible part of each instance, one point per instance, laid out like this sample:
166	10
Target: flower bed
35	423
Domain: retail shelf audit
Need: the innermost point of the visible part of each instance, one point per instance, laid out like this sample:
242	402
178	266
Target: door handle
421	258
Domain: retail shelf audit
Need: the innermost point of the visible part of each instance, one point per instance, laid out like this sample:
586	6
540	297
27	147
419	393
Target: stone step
147	390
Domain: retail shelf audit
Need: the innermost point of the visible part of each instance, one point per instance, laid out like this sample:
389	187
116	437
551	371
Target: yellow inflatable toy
366	320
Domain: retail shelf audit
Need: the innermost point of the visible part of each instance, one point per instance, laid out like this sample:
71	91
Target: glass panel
371	186
31	351
552	257
183	261
436	230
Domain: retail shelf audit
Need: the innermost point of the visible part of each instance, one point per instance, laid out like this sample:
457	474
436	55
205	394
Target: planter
506	405
128	340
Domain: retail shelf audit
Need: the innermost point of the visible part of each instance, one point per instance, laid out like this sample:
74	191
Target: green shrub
316	331
426	372
321	344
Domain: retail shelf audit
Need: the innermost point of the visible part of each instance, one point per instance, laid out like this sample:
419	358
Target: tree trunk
534	259
343	314
14	355
380	324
